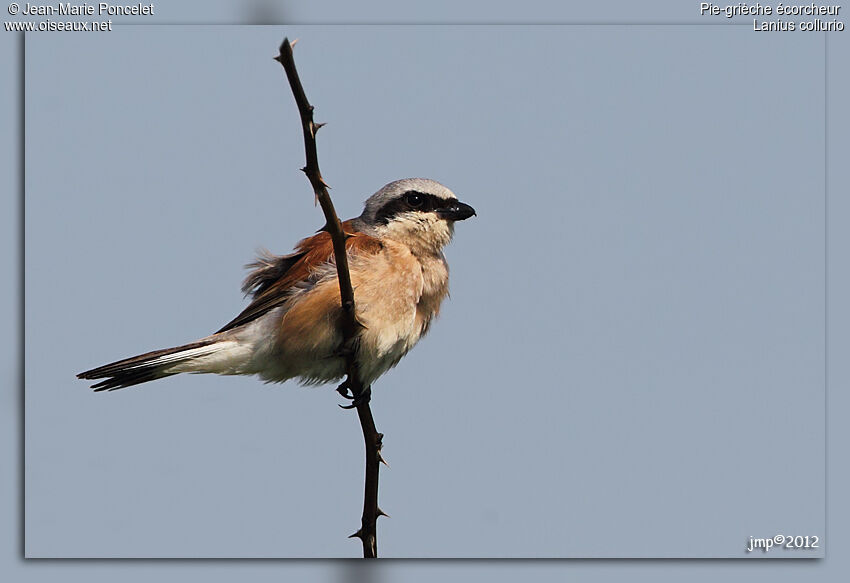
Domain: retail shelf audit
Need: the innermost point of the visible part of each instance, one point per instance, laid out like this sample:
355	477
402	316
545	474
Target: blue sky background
676	316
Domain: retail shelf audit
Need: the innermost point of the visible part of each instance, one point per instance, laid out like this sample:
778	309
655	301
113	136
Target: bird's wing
275	278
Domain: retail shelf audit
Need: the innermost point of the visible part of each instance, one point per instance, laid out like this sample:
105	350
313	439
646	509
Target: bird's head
417	212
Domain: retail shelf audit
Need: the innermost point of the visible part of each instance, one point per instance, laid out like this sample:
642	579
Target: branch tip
284	46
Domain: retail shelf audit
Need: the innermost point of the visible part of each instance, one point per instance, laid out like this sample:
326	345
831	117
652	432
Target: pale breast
435	288
396	295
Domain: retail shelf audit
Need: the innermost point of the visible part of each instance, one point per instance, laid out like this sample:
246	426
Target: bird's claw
356	399
345	390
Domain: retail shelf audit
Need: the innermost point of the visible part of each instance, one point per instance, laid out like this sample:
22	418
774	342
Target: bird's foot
345	390
357	399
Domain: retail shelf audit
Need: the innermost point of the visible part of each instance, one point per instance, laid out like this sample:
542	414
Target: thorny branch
350	326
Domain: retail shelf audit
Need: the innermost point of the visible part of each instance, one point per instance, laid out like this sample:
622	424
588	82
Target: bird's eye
415	200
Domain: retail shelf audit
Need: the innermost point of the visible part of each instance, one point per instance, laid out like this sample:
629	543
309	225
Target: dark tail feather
137	369
122	381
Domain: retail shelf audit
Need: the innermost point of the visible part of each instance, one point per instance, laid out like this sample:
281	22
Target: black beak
457	211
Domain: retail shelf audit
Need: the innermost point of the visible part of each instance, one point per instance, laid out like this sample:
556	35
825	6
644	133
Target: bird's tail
212	354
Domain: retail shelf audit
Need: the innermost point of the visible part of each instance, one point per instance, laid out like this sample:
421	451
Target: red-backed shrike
291	328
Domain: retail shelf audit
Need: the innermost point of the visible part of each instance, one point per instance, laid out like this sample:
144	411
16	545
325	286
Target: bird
291	328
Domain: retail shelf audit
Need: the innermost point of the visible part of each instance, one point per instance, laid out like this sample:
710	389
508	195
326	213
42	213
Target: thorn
358	534
323	183
382	513
292	43
382	460
304	170
317	126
